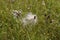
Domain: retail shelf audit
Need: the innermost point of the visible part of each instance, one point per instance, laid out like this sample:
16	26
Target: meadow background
43	30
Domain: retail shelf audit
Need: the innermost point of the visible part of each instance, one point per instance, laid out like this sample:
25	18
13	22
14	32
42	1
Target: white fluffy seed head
29	19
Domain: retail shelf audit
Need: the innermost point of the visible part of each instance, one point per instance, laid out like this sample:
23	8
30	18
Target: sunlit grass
13	29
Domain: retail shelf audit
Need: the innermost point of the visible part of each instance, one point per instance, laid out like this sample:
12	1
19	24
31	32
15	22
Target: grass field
47	27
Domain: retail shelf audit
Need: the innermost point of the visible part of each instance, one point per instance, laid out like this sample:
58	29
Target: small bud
51	21
34	17
45	15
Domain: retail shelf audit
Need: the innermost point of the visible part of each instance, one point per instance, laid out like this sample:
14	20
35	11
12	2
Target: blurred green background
45	29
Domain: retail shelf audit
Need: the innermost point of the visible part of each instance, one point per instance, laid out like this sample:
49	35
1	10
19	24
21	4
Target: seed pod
16	13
